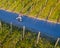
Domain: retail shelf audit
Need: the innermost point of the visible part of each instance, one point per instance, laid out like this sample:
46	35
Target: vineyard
42	9
14	38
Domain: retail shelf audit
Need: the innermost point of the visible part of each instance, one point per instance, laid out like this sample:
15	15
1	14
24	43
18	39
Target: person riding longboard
19	18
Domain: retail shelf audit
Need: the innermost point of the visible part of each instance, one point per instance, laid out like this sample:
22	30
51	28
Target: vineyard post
23	32
1	26
38	38
57	42
11	27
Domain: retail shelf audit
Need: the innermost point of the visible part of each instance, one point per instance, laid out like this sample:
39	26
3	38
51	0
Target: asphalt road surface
36	25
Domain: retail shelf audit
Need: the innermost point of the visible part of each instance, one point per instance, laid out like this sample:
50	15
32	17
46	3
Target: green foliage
45	9
14	39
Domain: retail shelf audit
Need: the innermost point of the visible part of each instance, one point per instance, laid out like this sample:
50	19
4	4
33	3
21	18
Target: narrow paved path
36	25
